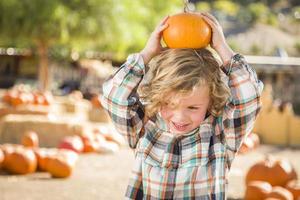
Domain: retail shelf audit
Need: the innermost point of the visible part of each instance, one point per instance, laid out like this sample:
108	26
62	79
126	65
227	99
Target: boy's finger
163	27
164	20
211	17
210	22
159	29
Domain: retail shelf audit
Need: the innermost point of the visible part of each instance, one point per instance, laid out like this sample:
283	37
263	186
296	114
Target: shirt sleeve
243	106
121	100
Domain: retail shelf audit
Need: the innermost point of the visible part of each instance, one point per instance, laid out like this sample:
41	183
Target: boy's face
185	113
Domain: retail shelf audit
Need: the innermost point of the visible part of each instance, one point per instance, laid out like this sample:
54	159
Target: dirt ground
106	177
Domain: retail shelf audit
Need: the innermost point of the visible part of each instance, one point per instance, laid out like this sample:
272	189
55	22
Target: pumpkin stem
186	7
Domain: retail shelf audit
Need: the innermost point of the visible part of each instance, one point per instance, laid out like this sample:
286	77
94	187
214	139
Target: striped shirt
188	166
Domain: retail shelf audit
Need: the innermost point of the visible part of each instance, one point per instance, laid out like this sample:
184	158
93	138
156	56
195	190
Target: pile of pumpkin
23	95
27	157
272	179
250	142
99	140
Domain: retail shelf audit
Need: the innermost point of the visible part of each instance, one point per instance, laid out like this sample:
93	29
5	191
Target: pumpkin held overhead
187	30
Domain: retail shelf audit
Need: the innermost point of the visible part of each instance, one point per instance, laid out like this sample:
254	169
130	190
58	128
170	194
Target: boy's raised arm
120	96
244	103
121	101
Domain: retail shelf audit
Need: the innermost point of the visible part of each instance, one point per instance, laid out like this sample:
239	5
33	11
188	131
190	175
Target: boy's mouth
179	126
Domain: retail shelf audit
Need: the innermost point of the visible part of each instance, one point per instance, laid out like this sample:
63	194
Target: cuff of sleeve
136	61
237	58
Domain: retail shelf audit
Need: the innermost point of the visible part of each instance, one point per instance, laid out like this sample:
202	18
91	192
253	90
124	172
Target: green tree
111	25
226	6
42	24
134	22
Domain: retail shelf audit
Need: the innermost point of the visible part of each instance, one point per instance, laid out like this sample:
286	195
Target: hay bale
49	129
99	115
72	106
24	109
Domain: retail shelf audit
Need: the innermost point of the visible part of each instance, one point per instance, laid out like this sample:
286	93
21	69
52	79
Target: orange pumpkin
62	165
73	143
18	99
1	158
294	188
95	100
246	146
30	139
265	171
38	99
90	143
21	161
48	98
7	97
280	193
43	155
255	138
257	190
187	30
8	149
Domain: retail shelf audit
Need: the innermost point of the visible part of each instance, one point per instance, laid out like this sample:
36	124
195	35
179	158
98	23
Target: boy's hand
218	41
153	46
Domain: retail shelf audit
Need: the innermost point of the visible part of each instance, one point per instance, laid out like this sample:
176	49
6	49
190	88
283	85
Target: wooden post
43	73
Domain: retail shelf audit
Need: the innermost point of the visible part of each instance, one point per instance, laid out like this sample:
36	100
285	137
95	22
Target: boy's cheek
165	113
198	118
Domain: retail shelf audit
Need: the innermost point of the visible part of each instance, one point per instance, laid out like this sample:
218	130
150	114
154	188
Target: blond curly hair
180	71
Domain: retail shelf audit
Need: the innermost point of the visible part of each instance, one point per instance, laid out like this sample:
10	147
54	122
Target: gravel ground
106	177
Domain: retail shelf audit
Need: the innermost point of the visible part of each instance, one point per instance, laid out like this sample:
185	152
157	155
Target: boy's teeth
179	126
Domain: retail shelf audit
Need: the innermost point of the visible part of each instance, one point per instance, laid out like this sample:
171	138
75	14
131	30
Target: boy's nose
179	115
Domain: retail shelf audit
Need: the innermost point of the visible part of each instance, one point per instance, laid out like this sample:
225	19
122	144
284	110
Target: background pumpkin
21	161
73	143
8	149
247	145
43	155
257	190
62	165
280	193
265	170
30	139
1	158
187	30
95	100
294	188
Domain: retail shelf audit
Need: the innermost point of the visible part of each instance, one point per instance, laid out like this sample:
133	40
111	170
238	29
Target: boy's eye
193	108
166	104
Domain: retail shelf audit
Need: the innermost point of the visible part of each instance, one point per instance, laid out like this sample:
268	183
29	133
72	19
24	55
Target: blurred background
55	55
